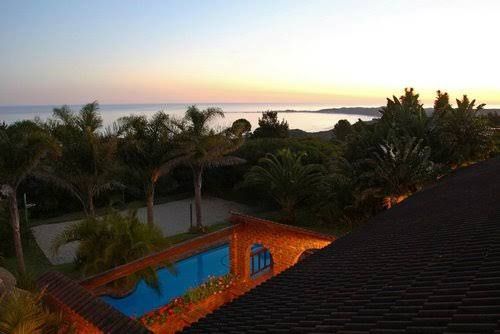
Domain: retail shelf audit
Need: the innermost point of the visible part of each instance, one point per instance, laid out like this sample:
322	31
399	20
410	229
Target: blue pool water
190	272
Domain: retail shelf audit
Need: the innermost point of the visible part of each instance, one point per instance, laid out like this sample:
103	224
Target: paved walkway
171	217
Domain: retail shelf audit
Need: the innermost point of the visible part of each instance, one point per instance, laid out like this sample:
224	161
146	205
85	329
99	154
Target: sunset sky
349	52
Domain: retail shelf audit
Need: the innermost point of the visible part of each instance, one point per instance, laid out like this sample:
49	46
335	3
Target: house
429	265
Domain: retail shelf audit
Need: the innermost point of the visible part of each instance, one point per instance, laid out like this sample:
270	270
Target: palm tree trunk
289	211
90	201
16	230
197	179
150	195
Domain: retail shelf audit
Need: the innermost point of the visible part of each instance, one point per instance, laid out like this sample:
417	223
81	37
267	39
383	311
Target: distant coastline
308	118
365	111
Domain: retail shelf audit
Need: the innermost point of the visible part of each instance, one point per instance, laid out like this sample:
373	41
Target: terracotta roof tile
89	307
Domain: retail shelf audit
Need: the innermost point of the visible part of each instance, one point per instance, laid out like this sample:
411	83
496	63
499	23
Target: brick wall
285	243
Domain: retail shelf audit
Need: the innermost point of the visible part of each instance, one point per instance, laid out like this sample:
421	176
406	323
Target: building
429	265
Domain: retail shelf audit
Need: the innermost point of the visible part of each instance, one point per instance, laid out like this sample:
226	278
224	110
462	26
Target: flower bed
214	285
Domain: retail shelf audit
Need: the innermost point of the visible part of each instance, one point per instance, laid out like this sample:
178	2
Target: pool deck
172	218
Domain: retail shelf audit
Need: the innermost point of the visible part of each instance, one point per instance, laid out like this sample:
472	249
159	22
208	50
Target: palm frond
112	240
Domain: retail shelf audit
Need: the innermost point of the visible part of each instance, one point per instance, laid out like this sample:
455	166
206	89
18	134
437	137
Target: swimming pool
190	273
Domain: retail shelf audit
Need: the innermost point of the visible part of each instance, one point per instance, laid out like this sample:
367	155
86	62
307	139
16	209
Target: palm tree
287	179
88	155
113	240
400	167
442	103
23	312
149	151
464	134
23	145
406	116
209	148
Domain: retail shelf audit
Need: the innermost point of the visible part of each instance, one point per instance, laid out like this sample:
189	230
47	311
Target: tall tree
244	125
342	129
406	116
149	151
442	103
286	178
271	127
464	134
23	145
209	148
88	161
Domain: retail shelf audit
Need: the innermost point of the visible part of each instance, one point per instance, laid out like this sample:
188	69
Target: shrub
113	240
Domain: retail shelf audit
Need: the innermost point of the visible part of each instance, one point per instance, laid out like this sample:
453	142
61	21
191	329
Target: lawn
36	262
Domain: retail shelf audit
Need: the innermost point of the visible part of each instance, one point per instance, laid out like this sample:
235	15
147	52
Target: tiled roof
93	310
429	265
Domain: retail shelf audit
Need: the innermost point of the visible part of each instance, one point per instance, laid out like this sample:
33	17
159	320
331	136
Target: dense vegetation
335	182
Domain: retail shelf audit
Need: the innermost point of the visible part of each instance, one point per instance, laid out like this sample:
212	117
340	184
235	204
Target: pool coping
116	295
174	253
188	248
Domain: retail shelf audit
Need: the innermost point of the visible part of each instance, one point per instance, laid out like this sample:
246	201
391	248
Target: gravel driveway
171	217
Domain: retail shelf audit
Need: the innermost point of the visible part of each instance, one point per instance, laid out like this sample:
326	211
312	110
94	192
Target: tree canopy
271	127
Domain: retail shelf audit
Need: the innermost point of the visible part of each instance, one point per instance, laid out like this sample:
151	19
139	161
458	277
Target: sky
350	52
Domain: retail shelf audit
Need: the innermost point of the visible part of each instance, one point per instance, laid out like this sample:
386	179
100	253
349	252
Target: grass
36	262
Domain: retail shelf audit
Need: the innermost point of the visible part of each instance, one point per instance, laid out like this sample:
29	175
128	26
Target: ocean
307	120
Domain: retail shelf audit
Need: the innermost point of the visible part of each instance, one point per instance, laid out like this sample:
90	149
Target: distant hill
371	111
487	111
327	134
365	111
297	133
